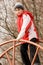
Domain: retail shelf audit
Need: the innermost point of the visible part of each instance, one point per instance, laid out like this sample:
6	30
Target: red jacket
30	30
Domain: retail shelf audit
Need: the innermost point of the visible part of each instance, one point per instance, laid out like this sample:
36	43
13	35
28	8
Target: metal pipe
8	58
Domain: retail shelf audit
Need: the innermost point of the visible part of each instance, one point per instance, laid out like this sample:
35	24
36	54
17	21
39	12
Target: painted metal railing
12	62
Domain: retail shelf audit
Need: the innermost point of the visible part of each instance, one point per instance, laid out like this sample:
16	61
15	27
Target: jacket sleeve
26	21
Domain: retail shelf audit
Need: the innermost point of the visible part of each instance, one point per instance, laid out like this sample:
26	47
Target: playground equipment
12	62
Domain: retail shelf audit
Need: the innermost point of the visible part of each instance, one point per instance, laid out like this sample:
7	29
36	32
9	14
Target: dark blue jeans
24	54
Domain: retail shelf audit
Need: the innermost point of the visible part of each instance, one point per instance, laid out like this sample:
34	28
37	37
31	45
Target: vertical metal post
13	53
8	58
35	56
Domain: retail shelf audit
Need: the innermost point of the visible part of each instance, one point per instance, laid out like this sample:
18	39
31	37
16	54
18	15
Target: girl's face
18	11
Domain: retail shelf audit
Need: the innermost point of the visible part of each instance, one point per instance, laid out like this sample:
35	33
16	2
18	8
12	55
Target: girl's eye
18	9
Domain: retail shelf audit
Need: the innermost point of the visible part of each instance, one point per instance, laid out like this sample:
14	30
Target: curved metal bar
20	44
40	40
6	42
35	44
16	41
5	51
15	45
